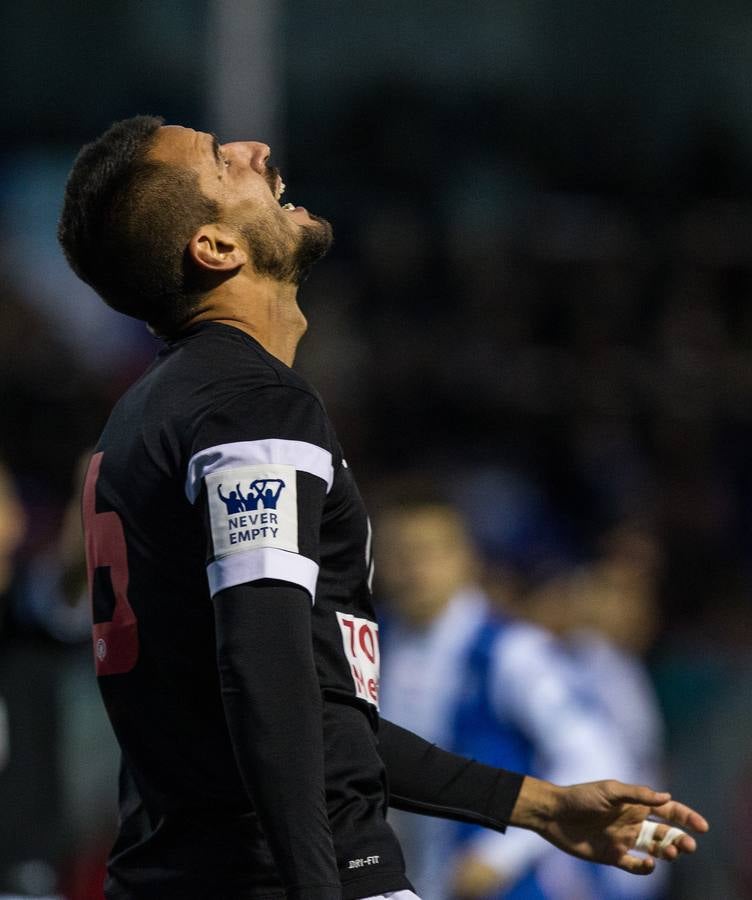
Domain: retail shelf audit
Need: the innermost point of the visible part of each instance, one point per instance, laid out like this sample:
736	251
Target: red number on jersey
116	641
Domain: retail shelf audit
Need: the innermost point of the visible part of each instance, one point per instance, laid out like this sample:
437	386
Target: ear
217	248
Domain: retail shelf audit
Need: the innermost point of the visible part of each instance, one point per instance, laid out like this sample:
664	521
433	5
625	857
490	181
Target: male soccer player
234	639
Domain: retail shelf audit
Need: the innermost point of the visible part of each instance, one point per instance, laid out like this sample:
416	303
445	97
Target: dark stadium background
540	284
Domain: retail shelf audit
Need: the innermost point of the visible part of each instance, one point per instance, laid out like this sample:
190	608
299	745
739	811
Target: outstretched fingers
644	865
637	793
661	804
678	814
637	865
661	840
664	841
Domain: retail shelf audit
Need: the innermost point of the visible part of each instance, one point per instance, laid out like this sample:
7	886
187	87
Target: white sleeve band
300	455
266	562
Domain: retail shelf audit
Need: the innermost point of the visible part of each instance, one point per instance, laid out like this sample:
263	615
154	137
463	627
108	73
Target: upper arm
259	472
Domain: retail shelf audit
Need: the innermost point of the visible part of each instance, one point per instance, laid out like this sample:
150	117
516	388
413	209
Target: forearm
272	705
425	779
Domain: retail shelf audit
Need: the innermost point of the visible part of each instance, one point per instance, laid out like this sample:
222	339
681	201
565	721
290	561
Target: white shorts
395	895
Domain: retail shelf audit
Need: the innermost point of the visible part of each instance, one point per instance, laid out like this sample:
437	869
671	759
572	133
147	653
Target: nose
252	153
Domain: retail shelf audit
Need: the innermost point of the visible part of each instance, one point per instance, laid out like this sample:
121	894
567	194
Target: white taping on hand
672	835
645	839
646	836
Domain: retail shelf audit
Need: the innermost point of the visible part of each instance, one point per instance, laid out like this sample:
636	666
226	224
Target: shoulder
224	386
228	355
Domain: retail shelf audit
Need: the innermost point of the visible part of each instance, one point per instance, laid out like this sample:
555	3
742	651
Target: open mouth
279	189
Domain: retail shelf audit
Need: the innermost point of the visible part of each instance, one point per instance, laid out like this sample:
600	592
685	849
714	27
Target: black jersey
219	467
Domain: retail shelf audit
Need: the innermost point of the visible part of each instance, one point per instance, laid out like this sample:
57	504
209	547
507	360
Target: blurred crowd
568	367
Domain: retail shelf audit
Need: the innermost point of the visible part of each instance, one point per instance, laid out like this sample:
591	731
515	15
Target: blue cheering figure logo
262	493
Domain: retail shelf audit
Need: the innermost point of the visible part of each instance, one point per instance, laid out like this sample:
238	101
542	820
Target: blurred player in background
606	614
254	760
499	690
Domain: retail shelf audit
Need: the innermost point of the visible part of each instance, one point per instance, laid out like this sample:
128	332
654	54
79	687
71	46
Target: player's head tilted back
159	218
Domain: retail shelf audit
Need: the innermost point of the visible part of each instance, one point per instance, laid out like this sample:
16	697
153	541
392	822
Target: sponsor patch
360	639
252	507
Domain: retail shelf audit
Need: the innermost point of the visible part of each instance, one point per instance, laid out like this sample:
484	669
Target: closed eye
219	157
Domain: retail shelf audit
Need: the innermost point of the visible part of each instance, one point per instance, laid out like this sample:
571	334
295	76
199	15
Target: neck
266	310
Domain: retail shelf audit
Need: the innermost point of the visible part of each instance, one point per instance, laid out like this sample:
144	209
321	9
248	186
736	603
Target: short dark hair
127	221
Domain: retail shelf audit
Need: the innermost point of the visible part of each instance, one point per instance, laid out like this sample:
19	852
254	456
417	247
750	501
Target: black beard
315	241
270	257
